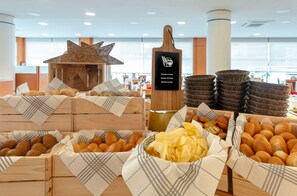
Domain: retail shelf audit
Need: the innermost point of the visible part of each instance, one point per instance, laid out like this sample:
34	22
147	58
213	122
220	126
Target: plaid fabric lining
56	84
5	162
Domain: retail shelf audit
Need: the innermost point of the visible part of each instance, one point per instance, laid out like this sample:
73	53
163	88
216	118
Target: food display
268	143
33	147
112	143
218	126
180	145
70	92
111	93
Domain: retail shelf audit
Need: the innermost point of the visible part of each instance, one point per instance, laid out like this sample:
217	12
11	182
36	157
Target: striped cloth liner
6	162
35	108
96	171
148	175
177	119
23	88
56	84
113	86
277	180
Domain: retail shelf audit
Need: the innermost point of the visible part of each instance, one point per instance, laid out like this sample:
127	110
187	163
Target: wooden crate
241	186
88	115
65	183
61	119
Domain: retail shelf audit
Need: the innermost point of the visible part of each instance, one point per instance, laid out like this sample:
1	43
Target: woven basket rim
200	77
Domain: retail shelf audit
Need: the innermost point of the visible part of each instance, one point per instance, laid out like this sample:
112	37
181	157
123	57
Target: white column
218	41
7	47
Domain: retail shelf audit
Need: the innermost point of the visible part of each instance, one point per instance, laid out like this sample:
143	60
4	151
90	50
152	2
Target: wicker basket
233	75
269	85
200	78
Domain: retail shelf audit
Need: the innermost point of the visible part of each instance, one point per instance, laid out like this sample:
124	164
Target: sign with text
167	71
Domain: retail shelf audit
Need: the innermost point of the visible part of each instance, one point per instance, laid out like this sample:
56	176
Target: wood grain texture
31	79
199	56
21	50
6	88
166	100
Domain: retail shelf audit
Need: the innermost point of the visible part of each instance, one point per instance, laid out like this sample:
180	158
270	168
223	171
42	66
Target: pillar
218	40
7	47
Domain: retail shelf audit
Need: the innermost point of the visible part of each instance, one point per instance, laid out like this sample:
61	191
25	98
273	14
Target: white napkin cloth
177	119
36	108
113	86
148	175
275	179
56	84
93	169
23	88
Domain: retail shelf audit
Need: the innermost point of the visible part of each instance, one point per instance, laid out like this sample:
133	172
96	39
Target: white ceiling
65	18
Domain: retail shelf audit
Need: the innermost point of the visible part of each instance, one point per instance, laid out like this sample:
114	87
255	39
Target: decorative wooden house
82	67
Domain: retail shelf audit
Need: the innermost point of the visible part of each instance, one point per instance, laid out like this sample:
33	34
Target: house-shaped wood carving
82	67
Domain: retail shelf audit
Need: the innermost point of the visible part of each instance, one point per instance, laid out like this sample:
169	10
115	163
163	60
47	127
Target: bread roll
24	147
14	152
277	142
263	144
222	126
9	144
36	140
76	148
195	117
134	137
33	153
268	126
82	145
96	140
103	147
291	143
256	158
86	150
276	160
128	147
260	136
222	119
49	141
287	136
246	149
222	135
52	92
294	148
97	150
264	156
110	138
115	147
292	159
281	154
258	127
282	127
204	119
249	128
70	92
246	138
140	140
34	93
92	146
40	147
268	134
122	142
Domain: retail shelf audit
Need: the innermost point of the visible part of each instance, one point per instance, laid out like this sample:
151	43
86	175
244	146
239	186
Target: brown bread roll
49	141
281	154
294	148
195	117
70	92
222	135
246	149
277	142
140	140
222	119
24	147
258	127
267	126
33	153
204	119
122	142
86	150
128	147
134	137
9	144
96	140
263	144
34	93
256	158
4	151
103	147
110	138
268	134
52	92
249	128
115	147
14	152
276	160
291	143
36	140
264	156
287	136
260	136
282	127
92	146
39	147
246	138
292	159
97	150
222	126
76	148
82	145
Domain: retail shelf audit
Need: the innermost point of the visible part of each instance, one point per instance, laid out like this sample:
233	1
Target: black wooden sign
166	71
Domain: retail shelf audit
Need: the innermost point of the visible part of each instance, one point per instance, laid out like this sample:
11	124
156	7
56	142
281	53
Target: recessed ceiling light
285	22
87	23
90	14
34	14
133	23
44	34
181	22
233	22
42	23
145	34
151	13
181	34
110	34
77	34
282	11
256	34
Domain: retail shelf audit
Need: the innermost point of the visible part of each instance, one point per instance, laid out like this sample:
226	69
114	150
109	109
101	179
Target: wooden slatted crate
61	119
87	115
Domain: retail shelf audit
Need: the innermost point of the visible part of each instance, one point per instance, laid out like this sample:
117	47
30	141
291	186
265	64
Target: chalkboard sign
167	71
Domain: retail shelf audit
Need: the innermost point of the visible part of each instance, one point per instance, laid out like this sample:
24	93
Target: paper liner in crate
6	161
35	108
275	179
113	104
149	175
95	170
